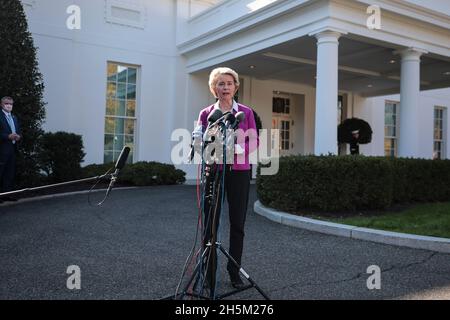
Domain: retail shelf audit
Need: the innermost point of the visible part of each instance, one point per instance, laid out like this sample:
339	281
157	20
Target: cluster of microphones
227	119
216	118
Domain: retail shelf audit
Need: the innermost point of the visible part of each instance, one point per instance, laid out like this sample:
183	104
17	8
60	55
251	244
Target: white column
408	136
325	139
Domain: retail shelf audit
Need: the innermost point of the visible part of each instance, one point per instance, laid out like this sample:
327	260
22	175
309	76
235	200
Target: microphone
122	159
197	135
215	115
118	166
229	119
240	116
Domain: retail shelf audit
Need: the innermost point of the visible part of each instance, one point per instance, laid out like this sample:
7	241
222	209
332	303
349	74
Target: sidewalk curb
352	232
58	195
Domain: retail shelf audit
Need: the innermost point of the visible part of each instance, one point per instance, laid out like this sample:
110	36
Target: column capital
411	53
328	33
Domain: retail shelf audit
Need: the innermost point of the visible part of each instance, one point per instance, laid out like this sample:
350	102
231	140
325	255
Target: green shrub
95	170
331	183
140	173
152	173
421	180
60	156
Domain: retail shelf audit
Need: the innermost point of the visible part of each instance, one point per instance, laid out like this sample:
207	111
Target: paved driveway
134	247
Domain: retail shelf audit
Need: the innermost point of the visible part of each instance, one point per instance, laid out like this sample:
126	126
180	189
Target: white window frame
131	7
136	111
443	141
397	126
279	117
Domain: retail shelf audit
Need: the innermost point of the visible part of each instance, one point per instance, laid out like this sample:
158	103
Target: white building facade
130	72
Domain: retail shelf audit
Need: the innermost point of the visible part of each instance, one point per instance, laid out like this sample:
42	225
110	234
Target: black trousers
237	186
7	171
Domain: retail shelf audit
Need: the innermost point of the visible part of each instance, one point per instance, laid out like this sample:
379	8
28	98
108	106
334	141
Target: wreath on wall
350	126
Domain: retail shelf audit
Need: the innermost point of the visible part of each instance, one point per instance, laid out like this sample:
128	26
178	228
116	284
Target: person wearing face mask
9	138
223	84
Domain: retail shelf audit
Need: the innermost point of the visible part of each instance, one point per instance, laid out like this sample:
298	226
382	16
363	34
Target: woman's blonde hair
214	76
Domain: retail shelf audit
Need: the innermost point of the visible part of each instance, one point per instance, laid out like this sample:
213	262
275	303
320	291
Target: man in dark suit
9	138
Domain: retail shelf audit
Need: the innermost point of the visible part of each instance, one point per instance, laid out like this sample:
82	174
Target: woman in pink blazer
223	84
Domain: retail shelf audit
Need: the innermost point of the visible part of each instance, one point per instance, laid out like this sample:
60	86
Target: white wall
430	99
441	6
261	101
372	110
198	6
73	63
197	97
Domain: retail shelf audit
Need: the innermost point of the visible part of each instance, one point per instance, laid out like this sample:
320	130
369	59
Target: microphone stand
113	176
207	262
56	185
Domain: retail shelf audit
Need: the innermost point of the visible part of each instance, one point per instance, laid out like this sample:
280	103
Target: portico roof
367	69
276	42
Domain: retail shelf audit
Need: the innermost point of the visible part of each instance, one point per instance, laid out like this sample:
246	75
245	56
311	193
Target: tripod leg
195	273
212	210
242	271
211	271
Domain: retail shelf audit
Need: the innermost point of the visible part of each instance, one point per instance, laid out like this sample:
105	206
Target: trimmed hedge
152	173
420	180
94	170
140	173
338	183
60	156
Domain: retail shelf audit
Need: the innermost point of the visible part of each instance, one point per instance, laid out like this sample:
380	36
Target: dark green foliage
346	128
140	173
95	170
20	79
421	180
331	183
60	156
152	173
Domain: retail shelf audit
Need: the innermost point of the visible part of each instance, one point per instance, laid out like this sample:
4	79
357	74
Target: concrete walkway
134	247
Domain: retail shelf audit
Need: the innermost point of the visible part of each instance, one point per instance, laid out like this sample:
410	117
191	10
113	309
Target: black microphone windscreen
240	116
229	117
122	158
215	115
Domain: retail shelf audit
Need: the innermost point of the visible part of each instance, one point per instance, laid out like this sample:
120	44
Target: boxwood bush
152	173
140	173
420	180
60	156
94	170
347	183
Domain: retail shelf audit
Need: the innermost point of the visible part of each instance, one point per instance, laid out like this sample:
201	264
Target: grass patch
424	219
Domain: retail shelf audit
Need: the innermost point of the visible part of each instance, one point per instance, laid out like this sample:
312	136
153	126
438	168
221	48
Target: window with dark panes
120	118
438	133
391	110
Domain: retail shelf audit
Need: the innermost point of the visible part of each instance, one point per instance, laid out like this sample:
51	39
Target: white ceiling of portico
366	68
